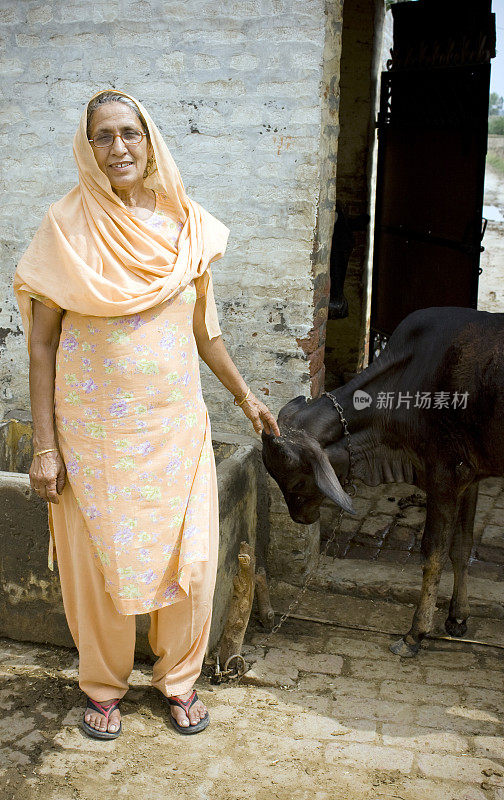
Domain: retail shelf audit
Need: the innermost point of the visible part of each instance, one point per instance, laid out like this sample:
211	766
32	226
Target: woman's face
124	165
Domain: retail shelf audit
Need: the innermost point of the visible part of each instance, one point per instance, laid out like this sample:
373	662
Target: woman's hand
48	476
260	415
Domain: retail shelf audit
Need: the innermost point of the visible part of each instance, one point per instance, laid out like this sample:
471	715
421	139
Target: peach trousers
105	639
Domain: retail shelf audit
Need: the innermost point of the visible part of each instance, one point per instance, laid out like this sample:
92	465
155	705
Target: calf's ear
290	409
327	481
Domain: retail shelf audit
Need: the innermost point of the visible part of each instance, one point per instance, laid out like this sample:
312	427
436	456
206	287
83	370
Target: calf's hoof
454	627
403	649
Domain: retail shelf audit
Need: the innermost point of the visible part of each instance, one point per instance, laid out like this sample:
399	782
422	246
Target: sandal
106	711
186	705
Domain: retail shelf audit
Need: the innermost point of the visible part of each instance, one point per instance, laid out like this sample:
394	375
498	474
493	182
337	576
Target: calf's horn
328	483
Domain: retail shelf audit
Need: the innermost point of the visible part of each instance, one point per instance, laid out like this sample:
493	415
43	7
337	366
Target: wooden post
266	613
241	605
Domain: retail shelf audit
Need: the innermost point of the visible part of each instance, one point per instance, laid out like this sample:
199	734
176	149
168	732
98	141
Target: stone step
389	616
402	583
375	615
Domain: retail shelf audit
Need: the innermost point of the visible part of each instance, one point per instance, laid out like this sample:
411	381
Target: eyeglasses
107	139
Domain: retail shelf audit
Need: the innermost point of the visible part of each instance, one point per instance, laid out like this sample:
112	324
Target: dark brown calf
455	356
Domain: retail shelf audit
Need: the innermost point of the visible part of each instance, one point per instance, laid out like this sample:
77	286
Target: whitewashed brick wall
245	94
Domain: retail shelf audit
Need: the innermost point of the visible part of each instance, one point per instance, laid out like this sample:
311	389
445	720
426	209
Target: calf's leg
439	524
460	550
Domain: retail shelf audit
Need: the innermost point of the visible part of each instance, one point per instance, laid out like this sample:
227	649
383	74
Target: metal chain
227	673
306	584
351	461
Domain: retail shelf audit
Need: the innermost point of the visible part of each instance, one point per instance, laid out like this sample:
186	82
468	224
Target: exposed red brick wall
313	346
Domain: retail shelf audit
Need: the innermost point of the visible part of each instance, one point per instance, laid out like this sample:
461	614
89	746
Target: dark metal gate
432	141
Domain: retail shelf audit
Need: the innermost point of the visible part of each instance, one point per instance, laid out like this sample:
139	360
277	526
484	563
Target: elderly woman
115	293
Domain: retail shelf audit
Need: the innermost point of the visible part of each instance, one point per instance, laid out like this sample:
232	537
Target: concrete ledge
31	608
401	583
30	599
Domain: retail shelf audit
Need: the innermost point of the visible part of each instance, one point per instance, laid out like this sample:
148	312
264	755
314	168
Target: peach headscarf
93	256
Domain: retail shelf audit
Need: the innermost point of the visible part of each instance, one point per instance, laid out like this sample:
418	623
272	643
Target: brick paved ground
429	728
325	713
389	521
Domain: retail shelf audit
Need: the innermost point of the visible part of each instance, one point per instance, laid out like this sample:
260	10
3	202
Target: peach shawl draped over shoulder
91	255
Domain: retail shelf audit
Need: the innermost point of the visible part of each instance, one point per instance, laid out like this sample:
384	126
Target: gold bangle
240	403
41	452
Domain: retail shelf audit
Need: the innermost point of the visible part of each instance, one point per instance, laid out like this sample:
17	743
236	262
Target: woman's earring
148	168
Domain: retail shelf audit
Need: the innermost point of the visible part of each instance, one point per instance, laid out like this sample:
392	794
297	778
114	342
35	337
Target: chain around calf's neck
348	484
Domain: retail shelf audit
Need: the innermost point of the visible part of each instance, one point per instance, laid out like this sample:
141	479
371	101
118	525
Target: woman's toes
114	722
99	722
197	714
179	716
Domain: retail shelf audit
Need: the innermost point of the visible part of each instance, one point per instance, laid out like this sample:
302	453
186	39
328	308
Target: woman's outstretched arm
213	352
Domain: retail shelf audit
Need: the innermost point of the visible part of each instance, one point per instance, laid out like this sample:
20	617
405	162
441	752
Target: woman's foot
195	714
99	721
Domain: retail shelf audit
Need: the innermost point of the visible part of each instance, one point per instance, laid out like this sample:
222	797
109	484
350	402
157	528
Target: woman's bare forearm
42	374
213	352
